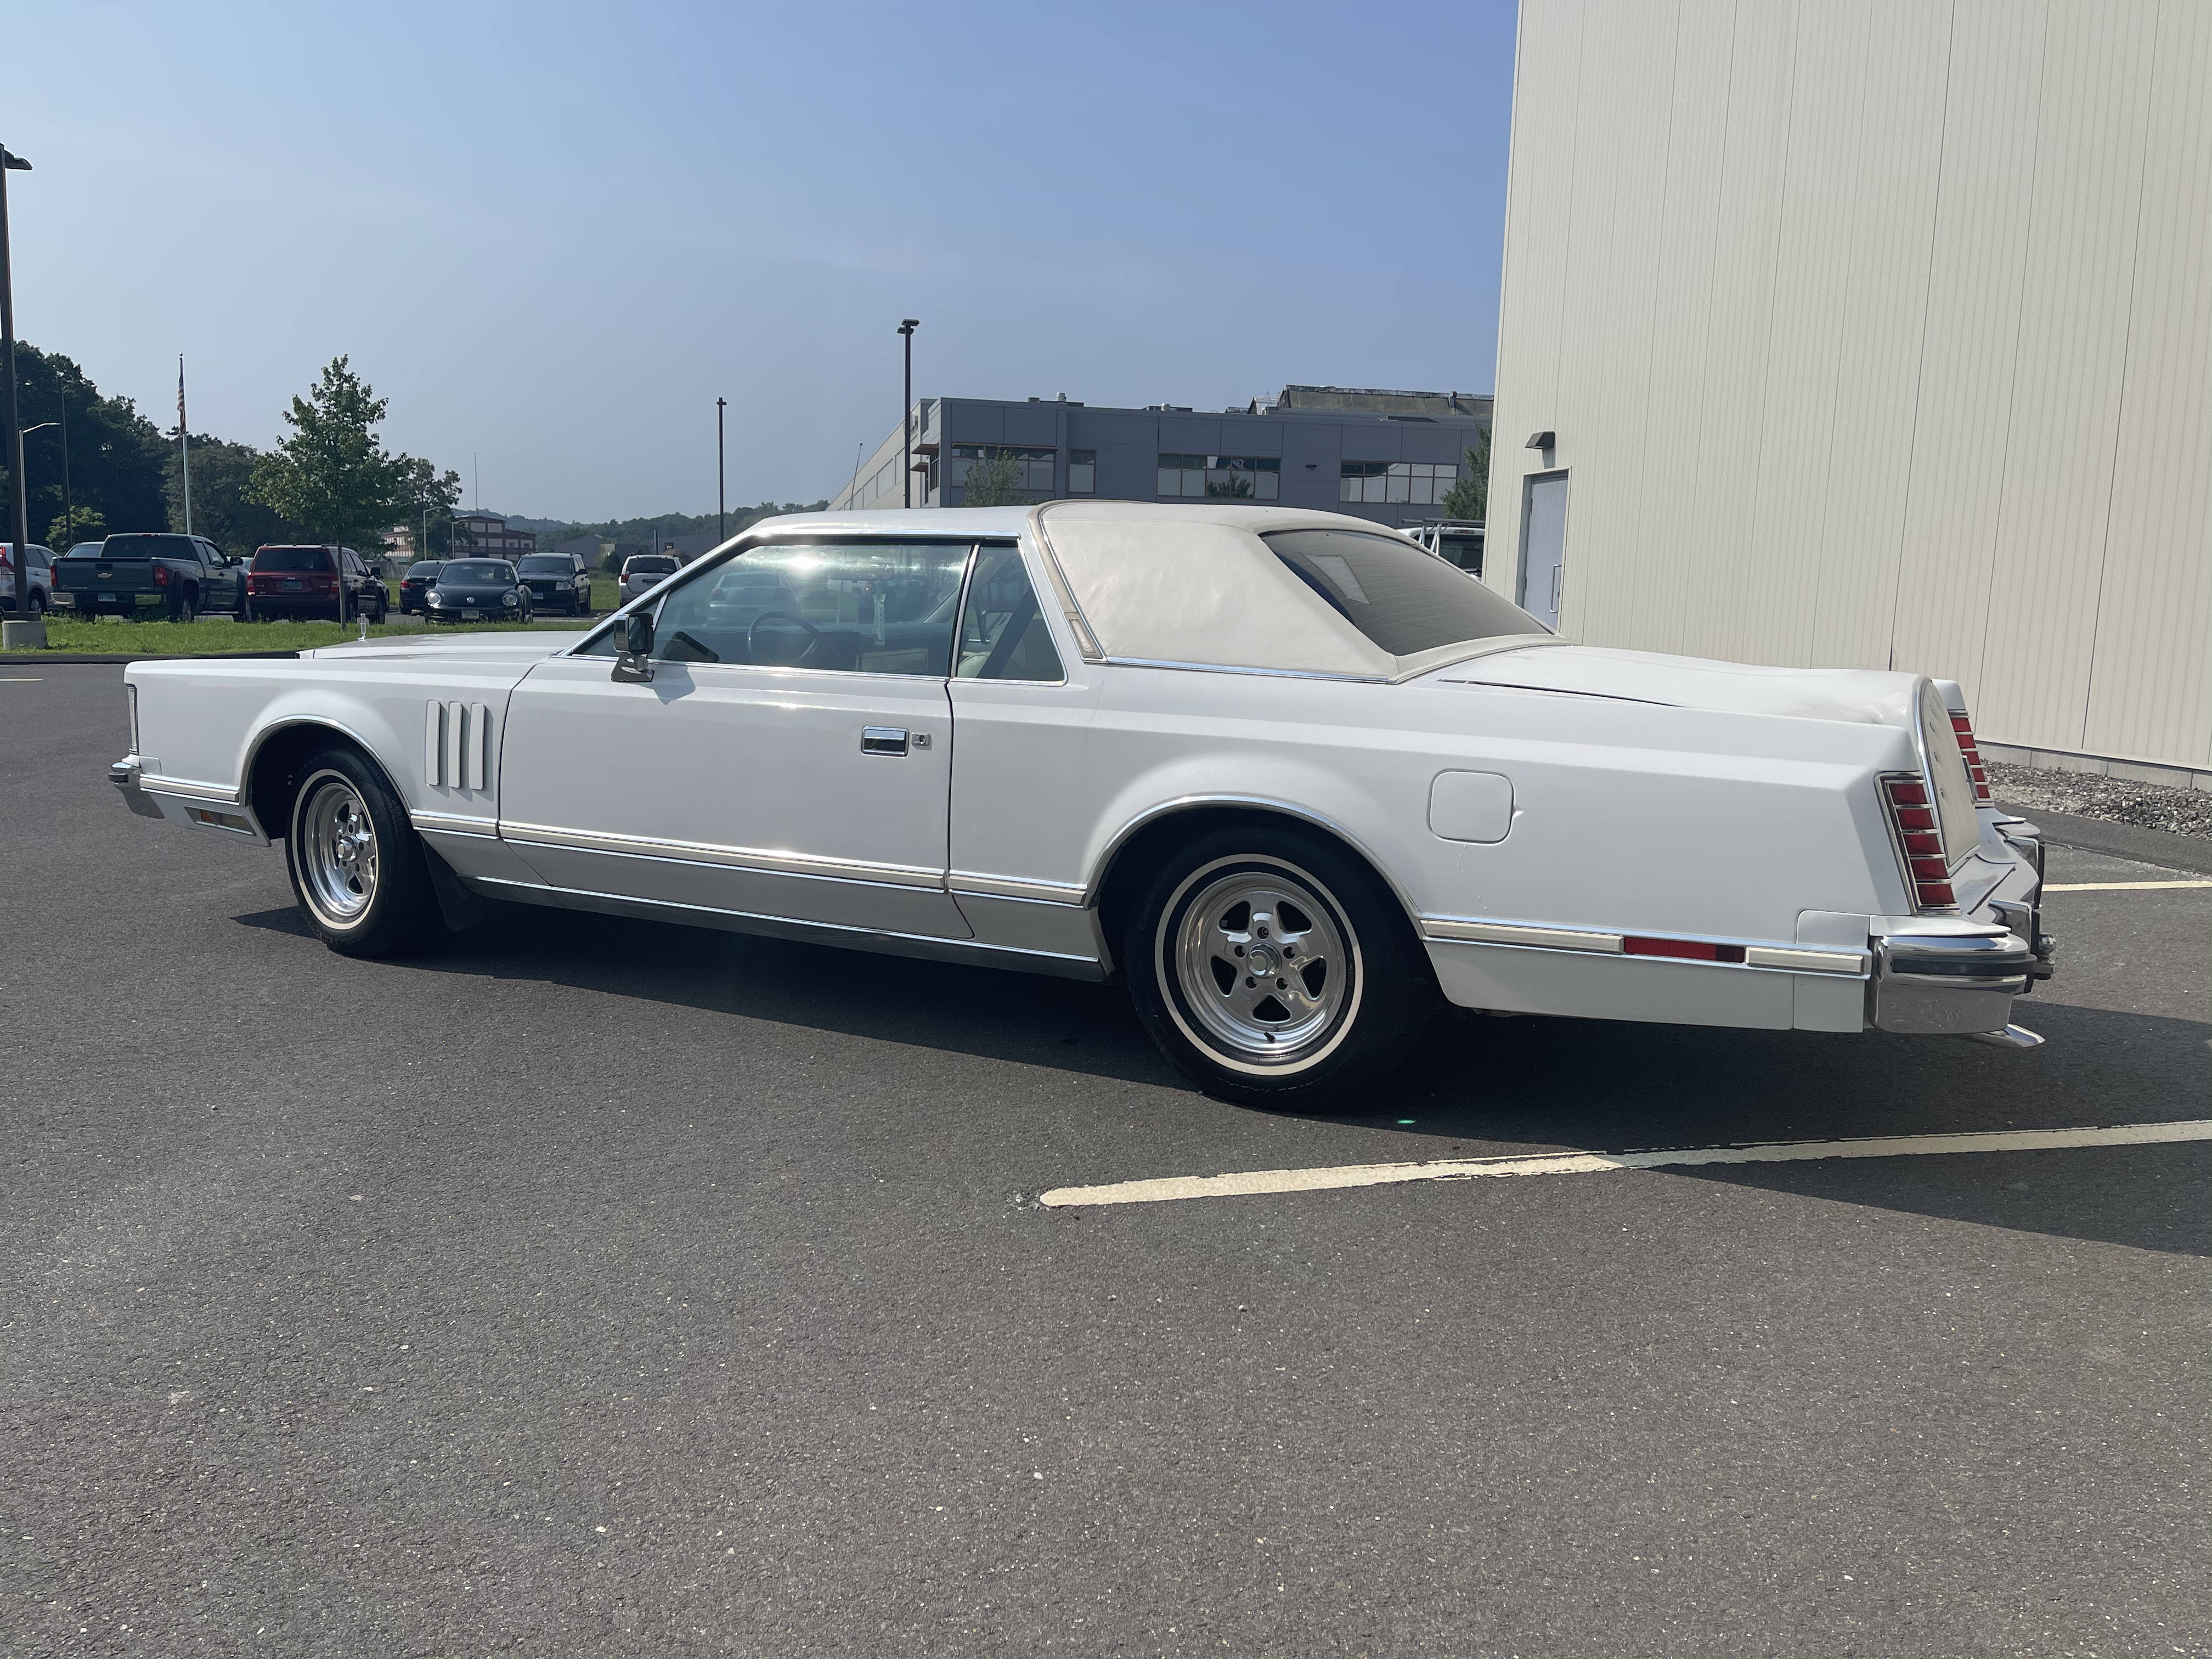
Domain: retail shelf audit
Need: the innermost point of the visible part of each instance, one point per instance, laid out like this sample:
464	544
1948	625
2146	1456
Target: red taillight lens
1906	799
1972	751
160	575
1688	949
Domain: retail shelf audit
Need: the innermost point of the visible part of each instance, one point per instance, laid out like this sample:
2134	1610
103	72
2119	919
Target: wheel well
1134	862
275	774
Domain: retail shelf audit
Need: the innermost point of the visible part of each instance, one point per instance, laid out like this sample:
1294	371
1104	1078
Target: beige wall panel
1669	514
1538	215
2080	253
1769	609
1861	507
1605	362
2150	691
1965	385
1718	557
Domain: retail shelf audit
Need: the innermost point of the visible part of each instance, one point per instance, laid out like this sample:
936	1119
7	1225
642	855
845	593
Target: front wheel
358	869
1274	968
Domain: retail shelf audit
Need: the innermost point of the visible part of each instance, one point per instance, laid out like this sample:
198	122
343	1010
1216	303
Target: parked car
1294	778
643	572
38	564
477	590
296	580
179	575
557	581
415	585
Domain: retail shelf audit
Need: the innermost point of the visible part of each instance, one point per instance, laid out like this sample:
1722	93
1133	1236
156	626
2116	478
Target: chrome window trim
1264	673
1086	640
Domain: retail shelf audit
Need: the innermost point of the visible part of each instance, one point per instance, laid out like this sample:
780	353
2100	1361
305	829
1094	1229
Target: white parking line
2115	886
1256	1181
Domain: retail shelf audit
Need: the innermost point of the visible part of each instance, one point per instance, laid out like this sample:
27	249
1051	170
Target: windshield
416	572
495	571
546	566
1404	600
648	564
292	558
85	551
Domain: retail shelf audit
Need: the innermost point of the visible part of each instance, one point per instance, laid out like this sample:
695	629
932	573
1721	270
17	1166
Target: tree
329	472
115	454
89	526
994	483
423	490
224	510
1469	498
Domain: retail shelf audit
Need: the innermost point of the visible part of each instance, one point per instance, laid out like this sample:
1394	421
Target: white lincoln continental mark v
1291	777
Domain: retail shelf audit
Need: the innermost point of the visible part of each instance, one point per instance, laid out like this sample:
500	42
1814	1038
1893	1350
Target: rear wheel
185	607
359	871
1273	968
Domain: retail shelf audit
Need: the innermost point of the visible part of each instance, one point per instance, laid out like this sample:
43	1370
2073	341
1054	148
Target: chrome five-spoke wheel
1262	964
338	854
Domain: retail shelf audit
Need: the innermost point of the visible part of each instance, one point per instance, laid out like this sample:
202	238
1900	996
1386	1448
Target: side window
863	607
1003	636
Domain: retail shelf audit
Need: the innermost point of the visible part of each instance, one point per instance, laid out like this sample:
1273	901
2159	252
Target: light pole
68	503
10	162
906	414
721	487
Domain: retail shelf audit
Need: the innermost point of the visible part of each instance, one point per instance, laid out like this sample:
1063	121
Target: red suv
297	582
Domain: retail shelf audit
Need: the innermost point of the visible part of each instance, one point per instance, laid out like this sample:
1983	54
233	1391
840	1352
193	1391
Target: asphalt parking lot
595	1286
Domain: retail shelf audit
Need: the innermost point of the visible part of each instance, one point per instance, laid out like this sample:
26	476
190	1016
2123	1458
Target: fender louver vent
456	745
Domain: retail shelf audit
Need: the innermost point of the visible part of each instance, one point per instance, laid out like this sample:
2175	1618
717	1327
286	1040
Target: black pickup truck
183	575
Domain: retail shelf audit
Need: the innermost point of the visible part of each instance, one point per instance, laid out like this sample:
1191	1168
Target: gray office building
1388	456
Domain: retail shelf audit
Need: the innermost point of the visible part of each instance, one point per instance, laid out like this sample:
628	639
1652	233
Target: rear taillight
1913	818
160	575
1965	728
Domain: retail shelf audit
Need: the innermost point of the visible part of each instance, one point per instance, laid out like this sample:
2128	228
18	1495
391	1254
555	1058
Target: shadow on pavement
1507	1085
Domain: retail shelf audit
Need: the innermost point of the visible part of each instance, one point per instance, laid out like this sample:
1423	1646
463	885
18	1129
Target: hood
1862	696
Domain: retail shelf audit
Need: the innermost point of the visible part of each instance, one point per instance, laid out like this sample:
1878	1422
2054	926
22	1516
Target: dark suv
296	580
415	585
557	581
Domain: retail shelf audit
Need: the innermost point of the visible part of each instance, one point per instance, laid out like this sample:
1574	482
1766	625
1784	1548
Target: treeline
113	470
641	532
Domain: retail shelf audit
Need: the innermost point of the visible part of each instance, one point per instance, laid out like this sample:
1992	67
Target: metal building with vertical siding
1874	333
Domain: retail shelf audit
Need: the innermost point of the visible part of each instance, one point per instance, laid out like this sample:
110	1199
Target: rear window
149	547
419	569
546	566
649	564
477	570
292	558
1404	600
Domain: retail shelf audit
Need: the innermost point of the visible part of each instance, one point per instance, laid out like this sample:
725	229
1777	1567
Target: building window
1416	483
1225	477
1082	471
1036	465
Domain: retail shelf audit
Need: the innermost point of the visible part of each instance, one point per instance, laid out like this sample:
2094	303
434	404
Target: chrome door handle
883	740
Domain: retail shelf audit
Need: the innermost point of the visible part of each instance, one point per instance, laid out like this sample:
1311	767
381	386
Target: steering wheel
752	637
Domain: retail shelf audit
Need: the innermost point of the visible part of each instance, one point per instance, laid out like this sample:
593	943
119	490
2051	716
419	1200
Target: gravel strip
2116	800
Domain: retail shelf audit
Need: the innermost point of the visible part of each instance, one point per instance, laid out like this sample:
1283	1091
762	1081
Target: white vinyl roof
1168	583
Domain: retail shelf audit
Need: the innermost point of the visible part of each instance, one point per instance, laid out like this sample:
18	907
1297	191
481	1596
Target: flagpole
185	443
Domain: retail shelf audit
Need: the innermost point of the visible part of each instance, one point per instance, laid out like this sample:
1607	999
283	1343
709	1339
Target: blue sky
552	234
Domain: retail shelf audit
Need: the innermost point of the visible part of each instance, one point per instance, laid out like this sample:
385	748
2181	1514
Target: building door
1543	546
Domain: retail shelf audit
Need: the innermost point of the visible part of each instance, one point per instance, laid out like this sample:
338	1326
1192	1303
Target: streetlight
721	489
906	415
10	162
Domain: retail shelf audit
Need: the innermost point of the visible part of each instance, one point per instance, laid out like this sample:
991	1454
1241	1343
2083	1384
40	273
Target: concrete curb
2126	840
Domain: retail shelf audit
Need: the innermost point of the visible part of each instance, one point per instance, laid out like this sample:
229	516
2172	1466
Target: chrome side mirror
634	666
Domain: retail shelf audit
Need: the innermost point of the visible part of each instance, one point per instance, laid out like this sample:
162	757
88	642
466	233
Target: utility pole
721	486
69	497
20	497
906	415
